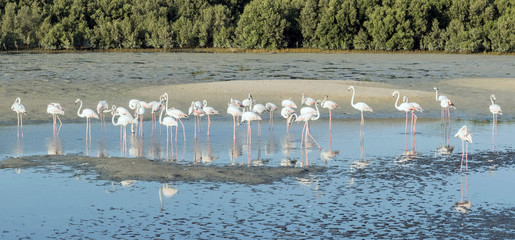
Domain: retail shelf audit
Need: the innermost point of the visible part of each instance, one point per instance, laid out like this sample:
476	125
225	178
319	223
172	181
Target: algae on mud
116	168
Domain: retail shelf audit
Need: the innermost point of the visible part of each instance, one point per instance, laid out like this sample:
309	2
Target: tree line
434	25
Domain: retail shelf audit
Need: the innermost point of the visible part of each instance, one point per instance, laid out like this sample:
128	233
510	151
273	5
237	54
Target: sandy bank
471	96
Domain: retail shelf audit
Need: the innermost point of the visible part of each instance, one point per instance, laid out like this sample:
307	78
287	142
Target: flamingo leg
208	123
234	129
466	156
302	138
462	154
249	141
167	143
21	124
406	132
308	133
60	124
330	118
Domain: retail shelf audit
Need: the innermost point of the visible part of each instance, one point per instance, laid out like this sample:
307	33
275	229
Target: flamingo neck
112	120
436	97
397	101
352	99
492	99
78	110
161	117
318	113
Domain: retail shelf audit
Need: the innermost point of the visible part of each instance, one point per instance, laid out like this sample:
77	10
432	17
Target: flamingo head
351	87
78	100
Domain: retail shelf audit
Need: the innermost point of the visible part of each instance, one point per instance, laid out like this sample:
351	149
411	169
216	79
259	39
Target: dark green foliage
435	25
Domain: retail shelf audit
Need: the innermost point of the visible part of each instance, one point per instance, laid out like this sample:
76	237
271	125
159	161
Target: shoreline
471	96
241	50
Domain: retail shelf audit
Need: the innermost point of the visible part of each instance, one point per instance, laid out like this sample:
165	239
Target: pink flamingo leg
462	154
208	123
308	133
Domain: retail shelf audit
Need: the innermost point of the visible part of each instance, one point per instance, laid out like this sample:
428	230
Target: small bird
466	137
20	110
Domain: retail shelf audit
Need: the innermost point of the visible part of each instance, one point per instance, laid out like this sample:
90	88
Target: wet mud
119	169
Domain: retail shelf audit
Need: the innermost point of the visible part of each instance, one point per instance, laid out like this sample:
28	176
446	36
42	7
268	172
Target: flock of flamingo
248	110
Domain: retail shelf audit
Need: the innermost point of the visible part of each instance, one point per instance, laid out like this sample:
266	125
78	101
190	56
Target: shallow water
385	194
416	70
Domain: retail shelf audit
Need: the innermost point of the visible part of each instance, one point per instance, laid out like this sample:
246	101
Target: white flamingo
495	110
466	137
20	110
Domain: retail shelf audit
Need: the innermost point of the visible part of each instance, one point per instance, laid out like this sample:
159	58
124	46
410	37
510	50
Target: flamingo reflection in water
166	191
463	206
55	146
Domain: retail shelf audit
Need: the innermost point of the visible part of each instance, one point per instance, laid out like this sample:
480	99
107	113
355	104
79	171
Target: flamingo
445	104
414	107
406	107
208	111
305	117
363	107
249	117
308	101
259	109
155	107
140	111
495	110
54	109
237	103
102	107
287	113
288	103
175	113
271	107
197	112
169	122
247	103
86	113
466	136
235	111
331	106
122	121
20	110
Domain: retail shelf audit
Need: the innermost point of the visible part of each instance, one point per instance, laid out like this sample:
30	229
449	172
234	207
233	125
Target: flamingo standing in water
102	107
140	111
55	109
208	111
331	106
86	113
414	107
235	111
259	109
122	121
495	110
307	114
445	119
169	122
155	107
466	137
287	113
197	112
363	107
20	110
247	103
271	107
249	117
406	107
175	113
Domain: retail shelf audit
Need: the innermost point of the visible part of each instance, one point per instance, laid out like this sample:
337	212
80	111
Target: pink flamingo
208	111
495	110
466	137
235	111
288	103
55	109
102	107
169	122
259	109
287	113
406	107
247	103
249	117
197	113
331	106
414	107
445	105
308	101
140	111
20	110
122	121
175	113
271	107
155	107
86	113
363	107
306	117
